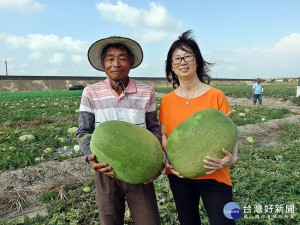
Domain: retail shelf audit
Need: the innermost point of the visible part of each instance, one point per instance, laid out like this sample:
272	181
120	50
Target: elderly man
118	97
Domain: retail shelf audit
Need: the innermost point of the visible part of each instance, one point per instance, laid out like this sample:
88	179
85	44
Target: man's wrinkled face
117	64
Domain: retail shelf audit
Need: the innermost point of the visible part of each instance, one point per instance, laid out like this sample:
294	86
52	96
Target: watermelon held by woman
133	152
203	134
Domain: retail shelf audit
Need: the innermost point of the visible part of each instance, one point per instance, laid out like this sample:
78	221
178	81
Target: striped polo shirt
104	102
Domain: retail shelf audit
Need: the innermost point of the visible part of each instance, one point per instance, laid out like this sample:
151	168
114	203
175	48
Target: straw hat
94	52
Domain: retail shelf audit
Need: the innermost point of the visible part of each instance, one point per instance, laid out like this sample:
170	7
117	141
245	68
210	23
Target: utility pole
6	67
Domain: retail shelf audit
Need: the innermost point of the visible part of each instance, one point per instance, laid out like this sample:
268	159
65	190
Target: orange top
173	111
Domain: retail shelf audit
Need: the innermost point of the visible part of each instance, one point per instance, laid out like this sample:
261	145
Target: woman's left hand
215	164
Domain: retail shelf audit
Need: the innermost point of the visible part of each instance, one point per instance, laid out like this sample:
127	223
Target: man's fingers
91	157
111	174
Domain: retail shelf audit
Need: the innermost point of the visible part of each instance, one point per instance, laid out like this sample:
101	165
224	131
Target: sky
244	39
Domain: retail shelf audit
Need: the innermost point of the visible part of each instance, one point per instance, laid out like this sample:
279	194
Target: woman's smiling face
183	68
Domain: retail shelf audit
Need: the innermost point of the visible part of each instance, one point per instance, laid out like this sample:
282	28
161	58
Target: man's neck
119	85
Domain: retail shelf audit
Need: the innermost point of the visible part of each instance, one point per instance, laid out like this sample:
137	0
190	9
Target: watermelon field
45	180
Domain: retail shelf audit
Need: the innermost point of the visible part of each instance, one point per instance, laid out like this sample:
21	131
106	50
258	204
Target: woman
187	70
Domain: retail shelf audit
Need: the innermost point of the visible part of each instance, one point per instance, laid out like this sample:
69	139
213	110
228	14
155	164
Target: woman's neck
191	84
191	88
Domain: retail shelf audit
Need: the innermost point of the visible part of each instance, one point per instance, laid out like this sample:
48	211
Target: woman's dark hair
117	46
182	43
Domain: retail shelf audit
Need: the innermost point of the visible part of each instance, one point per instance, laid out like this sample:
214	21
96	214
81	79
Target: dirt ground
20	185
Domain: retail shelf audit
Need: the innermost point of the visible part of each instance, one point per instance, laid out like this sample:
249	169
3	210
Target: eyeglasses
186	58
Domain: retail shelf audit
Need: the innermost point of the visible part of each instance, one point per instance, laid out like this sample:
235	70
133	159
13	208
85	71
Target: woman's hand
215	164
100	167
170	167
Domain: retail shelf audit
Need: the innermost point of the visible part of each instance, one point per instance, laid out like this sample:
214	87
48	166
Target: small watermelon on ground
27	137
242	114
250	140
72	130
133	152
203	134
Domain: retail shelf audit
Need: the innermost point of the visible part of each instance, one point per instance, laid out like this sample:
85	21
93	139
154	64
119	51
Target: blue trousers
255	97
187	193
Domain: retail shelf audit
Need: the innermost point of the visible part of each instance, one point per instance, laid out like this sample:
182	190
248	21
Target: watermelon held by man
133	152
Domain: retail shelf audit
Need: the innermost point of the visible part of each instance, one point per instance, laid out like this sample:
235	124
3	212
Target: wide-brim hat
95	51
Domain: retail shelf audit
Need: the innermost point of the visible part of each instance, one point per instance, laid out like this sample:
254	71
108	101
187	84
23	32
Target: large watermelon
133	152
203	134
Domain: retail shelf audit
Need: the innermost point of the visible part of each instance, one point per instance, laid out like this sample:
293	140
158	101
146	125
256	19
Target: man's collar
131	87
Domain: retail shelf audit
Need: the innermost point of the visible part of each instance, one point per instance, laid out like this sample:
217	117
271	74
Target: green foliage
48	196
296	101
165	201
16	154
255	115
45	110
277	113
291	132
267	176
263	175
39	94
163	88
235	90
282	91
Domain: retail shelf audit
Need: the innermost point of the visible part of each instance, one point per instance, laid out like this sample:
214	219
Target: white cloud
158	17
120	13
152	25
43	45
23	6
288	44
48	43
278	61
152	35
35	55
57	58
78	58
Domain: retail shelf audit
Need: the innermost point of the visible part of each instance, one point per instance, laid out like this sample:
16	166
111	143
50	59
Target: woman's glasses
186	58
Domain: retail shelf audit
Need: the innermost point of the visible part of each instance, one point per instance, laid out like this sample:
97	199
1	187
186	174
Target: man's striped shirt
100	103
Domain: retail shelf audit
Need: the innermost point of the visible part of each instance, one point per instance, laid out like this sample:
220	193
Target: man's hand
100	167
157	175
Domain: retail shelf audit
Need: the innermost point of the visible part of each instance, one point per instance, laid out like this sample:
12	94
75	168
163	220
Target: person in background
187	70
257	91
118	97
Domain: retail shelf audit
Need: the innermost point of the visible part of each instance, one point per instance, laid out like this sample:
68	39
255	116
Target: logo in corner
232	211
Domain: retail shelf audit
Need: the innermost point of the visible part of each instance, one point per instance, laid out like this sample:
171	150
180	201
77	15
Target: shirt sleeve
161	111
151	118
152	124
86	126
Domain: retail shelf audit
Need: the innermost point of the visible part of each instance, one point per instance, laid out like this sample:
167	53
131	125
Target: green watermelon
203	134
133	152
